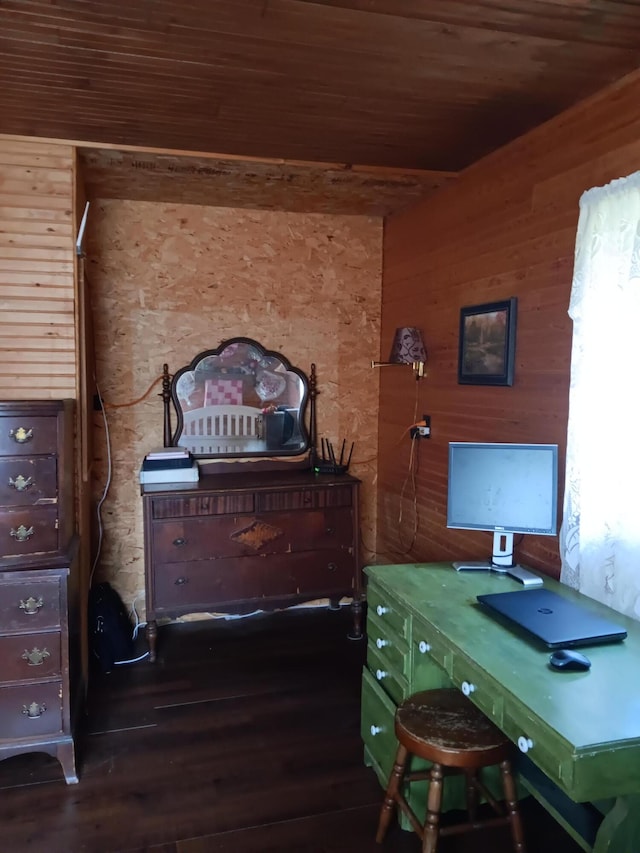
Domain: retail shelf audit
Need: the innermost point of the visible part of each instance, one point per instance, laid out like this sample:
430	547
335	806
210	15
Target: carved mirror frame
240	400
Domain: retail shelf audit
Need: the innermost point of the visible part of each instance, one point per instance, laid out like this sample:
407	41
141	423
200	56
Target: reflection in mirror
239	400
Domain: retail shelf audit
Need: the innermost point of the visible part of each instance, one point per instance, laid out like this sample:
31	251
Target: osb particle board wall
507	228
37	298
168	281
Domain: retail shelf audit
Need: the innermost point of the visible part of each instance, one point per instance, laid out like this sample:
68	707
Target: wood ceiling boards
428	85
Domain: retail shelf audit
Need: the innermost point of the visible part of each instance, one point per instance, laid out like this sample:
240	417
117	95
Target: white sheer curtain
600	536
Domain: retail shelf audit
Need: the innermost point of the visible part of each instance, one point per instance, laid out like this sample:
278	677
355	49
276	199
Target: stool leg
472	795
390	798
515	820
434	804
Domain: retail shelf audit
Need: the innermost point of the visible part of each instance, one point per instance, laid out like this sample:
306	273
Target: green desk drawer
482	690
428	644
377	725
388	610
392	682
551	753
393	646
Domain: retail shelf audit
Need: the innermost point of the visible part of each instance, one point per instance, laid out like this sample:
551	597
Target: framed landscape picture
487	343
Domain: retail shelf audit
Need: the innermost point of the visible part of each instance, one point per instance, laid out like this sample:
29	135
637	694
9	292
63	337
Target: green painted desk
581	729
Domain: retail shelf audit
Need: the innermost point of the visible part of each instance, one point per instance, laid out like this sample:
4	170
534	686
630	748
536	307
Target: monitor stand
501	562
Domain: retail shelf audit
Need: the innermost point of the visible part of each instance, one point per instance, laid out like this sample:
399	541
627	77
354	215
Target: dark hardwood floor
242	738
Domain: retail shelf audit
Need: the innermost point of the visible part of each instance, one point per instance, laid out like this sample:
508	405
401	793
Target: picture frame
487	343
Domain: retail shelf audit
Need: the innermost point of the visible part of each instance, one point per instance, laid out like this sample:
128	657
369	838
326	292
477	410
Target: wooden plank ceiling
343	93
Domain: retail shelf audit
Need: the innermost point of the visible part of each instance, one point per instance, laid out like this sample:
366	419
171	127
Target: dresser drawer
27	435
28	605
28	530
28	480
388	611
201	505
201	584
30	656
31	710
239	536
297	499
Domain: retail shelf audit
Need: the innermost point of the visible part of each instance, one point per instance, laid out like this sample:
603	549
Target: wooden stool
445	728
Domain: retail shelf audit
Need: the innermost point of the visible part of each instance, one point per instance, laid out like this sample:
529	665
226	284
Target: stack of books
169	465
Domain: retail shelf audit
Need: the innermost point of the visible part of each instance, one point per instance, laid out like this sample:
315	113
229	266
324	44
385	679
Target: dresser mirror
238	400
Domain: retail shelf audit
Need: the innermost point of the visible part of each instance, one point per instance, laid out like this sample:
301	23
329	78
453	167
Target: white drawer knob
423	647
524	743
380	674
380	610
468	688
381	643
375	730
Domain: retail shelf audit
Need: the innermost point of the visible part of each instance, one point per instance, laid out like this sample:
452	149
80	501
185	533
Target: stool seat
445	728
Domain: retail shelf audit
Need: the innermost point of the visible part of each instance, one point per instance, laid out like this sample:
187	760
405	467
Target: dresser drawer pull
380	643
179	541
376	730
33	711
328	530
36	657
524	743
22	533
181	581
468	688
21	435
423	647
21	484
380	674
32	605
333	567
381	610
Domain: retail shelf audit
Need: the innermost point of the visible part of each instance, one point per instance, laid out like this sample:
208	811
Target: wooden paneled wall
37	245
506	228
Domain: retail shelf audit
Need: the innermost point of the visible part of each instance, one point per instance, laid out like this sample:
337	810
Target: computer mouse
569	659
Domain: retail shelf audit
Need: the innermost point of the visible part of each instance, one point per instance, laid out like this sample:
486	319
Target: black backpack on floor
110	629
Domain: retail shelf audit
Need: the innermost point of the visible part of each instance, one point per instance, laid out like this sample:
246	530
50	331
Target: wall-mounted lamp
407	348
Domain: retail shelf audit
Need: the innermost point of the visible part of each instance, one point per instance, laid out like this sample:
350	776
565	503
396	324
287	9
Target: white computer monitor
505	489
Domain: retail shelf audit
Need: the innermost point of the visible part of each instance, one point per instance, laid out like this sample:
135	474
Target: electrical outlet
422	429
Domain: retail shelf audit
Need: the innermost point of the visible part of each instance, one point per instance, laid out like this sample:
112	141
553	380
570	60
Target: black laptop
556	621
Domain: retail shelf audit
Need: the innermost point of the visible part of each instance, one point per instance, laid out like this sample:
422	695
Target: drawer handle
468	688
21	435
328	530
423	647
36	657
376	730
380	674
524	743
181	581
21	484
380	610
333	567
22	533
179	541
380	643
33	711
32	605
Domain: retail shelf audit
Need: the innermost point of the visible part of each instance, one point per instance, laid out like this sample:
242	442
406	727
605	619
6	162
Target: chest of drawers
254	541
39	631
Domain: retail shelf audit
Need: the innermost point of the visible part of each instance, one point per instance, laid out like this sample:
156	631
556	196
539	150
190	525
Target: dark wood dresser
39	644
240	542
